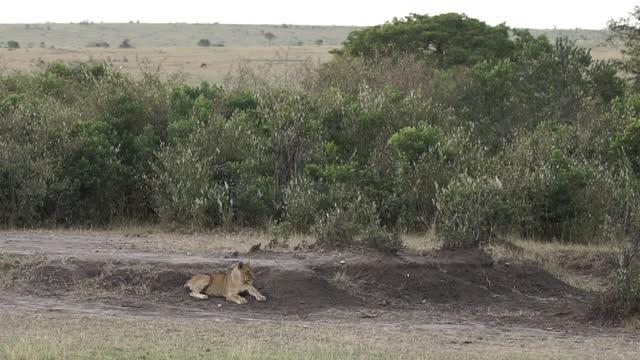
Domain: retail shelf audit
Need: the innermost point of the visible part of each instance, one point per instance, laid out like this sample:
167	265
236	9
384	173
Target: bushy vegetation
534	137
204	42
444	40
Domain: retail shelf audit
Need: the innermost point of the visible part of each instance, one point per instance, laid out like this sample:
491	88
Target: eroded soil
102	275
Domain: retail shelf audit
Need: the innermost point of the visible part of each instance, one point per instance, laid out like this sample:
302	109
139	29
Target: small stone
342	262
219	305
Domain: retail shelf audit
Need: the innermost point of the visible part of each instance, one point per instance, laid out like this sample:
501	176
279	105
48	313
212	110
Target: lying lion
225	284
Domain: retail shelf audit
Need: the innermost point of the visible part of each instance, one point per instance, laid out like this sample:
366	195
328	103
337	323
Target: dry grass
633	323
151	238
421	242
187	61
342	280
17	269
29	336
582	266
169	35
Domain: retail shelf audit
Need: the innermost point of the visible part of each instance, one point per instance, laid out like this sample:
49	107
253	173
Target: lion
225	284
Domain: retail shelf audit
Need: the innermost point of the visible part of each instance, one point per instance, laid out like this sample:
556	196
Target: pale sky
522	14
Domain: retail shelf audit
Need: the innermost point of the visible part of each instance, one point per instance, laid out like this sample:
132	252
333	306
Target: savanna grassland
470	191
172	48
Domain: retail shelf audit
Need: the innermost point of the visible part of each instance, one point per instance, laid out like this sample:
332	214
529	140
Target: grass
29	336
172	47
169	35
585	267
184	62
153	239
342	280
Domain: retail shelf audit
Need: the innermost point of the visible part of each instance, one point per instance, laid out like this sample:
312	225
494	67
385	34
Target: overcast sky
528	14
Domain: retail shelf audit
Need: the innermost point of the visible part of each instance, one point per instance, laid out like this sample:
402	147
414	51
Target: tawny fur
225	284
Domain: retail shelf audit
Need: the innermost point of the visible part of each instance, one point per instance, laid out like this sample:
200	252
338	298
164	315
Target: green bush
92	176
412	143
378	239
628	143
299	203
469	209
540	140
336	229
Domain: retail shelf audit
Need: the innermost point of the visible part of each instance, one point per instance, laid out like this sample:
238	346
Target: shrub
412	143
92	176
623	300
12	44
469	209
628	142
204	42
125	44
336	229
378	239
299	203
100	44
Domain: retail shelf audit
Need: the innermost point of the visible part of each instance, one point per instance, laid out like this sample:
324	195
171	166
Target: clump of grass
386	242
583	266
342	280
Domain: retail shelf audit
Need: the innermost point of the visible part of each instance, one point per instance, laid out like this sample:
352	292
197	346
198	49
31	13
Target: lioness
225	284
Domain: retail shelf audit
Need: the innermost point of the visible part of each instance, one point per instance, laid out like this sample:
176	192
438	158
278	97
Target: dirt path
108	275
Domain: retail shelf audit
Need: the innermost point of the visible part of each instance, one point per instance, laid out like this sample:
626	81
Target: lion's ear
240	265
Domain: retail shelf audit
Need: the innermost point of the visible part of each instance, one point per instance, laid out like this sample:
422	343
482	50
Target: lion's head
245	272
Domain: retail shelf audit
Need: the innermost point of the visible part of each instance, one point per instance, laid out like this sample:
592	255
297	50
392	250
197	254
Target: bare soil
95	274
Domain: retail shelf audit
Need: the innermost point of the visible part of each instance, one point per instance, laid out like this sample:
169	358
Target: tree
447	40
126	44
204	42
12	44
269	36
628	30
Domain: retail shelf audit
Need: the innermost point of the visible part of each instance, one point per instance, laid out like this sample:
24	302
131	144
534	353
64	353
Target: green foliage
239	101
12	44
446	40
92	176
413	143
99	44
336	229
541	82
469	210
527	137
125	44
204	42
628	142
378	239
628	30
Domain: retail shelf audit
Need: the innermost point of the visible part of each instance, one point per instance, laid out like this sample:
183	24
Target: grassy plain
172	48
186	62
81	337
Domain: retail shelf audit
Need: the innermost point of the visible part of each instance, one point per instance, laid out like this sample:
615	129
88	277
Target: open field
169	35
218	62
95	294
172	48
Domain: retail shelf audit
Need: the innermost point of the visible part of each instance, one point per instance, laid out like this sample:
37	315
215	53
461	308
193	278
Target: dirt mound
452	280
